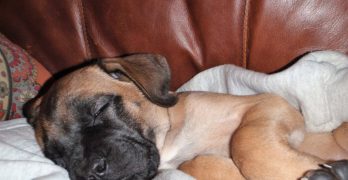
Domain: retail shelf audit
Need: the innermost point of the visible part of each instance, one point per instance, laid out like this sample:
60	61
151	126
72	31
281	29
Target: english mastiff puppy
115	118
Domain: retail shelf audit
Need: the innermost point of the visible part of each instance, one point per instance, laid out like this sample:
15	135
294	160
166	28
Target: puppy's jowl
117	119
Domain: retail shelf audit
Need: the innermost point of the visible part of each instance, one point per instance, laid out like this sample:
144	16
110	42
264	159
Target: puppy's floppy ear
149	72
31	109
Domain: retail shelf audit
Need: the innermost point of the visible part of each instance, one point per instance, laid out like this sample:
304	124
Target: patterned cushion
18	79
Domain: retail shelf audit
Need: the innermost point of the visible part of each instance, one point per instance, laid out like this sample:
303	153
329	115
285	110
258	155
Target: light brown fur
208	167
260	146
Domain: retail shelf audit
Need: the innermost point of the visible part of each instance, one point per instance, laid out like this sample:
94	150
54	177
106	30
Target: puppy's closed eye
96	111
100	110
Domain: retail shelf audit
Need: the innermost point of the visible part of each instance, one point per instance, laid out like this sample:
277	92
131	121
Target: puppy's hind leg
260	147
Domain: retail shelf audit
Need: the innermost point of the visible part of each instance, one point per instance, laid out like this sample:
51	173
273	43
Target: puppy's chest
193	140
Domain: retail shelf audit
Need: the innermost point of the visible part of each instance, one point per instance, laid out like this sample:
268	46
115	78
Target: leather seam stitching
245	43
84	28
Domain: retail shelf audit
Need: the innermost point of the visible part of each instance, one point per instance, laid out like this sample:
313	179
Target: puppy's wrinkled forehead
133	76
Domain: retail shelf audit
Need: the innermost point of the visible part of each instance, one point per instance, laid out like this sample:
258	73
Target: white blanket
317	85
21	157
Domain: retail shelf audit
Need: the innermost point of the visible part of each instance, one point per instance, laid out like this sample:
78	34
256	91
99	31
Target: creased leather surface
49	30
193	34
282	30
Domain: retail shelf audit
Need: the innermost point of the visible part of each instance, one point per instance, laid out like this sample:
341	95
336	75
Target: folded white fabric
21	157
317	84
172	174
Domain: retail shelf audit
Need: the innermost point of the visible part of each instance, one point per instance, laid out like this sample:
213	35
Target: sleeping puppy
116	119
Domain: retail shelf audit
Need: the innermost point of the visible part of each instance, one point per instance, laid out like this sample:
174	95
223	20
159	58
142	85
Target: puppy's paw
337	170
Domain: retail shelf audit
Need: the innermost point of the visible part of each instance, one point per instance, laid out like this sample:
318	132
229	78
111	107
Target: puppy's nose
99	167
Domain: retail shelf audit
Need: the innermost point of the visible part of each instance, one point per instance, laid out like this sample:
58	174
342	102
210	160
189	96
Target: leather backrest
194	35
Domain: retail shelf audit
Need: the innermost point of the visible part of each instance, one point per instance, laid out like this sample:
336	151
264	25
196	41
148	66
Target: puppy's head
95	121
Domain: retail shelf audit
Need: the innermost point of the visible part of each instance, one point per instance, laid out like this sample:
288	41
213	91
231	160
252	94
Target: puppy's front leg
263	145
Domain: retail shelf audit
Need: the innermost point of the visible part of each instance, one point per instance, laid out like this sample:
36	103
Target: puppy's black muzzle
115	154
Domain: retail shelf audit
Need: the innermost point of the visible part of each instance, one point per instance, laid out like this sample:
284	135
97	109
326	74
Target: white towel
317	85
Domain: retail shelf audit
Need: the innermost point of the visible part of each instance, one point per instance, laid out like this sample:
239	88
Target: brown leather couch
263	35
